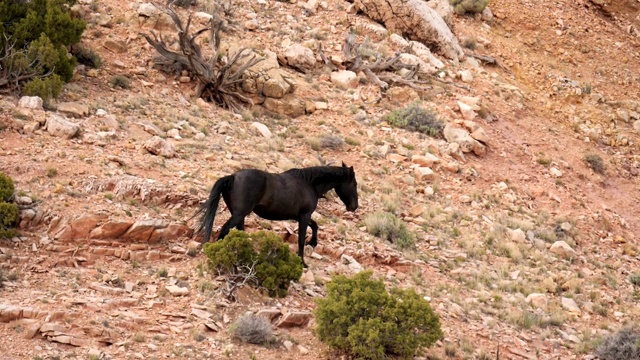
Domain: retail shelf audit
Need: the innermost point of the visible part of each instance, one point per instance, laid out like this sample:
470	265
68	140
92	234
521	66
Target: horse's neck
323	188
321	181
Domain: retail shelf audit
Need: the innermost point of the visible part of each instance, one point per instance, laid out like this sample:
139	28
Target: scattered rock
262	129
59	126
30	102
570	305
562	249
299	56
73	108
159	146
423	174
345	78
538	301
294	319
176	290
426	160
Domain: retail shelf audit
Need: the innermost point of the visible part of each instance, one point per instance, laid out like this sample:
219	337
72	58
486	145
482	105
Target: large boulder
415	19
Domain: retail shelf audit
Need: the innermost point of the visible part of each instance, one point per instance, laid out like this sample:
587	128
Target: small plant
595	162
253	329
387	226
86	56
623	345
544	161
8	211
415	118
1	279
468	6
163	273
332	142
470	43
139	337
360	317
120	81
635	279
52	172
273	265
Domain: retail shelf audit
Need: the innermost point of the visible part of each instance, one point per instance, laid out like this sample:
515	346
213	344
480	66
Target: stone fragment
562	249
423	174
30	102
58	126
159	146
345	78
262	129
294	319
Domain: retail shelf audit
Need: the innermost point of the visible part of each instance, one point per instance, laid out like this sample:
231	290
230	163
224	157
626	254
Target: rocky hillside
524	214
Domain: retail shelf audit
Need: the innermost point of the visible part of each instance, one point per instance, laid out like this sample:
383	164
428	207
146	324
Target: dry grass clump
253	329
623	345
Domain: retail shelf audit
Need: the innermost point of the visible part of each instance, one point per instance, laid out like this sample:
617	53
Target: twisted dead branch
238	278
218	77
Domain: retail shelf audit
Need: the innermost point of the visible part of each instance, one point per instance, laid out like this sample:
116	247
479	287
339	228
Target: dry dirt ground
470	261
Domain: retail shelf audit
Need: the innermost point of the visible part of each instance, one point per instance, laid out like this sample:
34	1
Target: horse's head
348	190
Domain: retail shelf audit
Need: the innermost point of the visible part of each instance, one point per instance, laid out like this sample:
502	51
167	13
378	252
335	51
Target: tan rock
73	108
562	249
289	105
141	230
176	290
269	314
158	146
426	160
345	78
59	126
294	319
538	301
423	174
110	230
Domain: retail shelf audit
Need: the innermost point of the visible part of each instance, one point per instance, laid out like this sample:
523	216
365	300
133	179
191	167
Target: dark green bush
361	318
47	88
8	211
38	33
274	264
623	345
228	254
415	118
468	6
6	187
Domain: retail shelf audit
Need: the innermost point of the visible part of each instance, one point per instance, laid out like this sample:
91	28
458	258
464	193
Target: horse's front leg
302	233
314	233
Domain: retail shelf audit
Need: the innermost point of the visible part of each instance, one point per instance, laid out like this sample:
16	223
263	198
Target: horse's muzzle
352	207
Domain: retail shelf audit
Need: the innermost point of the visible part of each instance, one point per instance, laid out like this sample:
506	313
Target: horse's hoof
304	264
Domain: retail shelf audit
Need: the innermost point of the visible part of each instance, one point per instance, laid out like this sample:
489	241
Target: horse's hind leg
314	233
302	232
235	222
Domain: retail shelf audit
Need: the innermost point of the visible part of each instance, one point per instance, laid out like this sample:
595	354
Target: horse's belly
271	214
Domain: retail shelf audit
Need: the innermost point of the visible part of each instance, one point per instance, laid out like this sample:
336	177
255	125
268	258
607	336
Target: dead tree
382	71
218	78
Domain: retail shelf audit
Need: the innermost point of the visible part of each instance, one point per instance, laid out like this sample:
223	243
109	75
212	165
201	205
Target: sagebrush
622	345
275	266
387	226
416	118
362	319
253	329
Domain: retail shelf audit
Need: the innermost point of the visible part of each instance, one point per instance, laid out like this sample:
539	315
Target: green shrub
361	318
415	118
228	254
6	187
387	226
37	34
1	279
468	6
623	345
274	264
8	211
47	88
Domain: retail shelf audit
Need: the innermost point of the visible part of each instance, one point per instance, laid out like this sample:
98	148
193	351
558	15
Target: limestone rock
423	174
159	146
289	105
345	78
570	305
148	10
415	19
466	111
73	108
30	102
562	249
59	126
141	230
262	129
538	301
117	47
464	139
426	160
299	56
177	290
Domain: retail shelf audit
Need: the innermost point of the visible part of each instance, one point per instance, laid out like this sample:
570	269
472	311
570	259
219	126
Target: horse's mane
320	174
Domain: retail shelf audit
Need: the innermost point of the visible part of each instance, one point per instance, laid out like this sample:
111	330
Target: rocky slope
521	245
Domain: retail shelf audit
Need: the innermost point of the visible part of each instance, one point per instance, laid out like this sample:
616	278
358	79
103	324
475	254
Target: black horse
291	195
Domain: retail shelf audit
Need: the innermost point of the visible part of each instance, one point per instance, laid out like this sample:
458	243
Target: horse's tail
210	207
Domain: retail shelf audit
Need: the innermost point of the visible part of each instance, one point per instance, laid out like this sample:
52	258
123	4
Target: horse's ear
343	164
